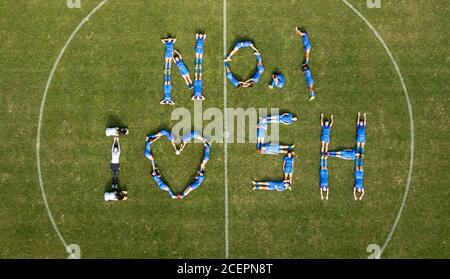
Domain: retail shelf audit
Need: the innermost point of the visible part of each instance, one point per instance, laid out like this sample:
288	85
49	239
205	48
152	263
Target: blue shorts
309	82
360	139
260	133
325	138
288	170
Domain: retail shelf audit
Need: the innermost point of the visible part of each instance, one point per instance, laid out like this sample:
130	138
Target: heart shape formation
156	175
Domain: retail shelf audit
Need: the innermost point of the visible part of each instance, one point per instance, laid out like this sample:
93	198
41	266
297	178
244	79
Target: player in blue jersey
359	180
198	90
168	55
189	136
278	81
162	133
361	132
346	154
240	45
324	177
206	155
285	118
257	75
306	43
288	166
272	185
199	48
309	82
197	182
274	148
230	76
148	148
162	185
167	100
183	69
261	132
325	135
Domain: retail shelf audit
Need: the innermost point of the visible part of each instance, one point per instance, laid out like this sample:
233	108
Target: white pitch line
41	115
225	144
411	121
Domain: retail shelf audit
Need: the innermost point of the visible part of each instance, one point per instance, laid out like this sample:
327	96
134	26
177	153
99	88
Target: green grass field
114	68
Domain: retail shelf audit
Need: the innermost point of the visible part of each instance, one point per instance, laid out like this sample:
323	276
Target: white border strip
225	144
411	123
41	114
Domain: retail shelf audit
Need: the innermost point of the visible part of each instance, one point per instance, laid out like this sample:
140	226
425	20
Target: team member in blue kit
183	69
361	133
325	135
162	133
231	77
309	81
162	185
278	81
259	70
167	100
285	118
324	178
274	148
197	182
306	43
272	185
206	155
359	179
346	154
288	166
240	45
168	55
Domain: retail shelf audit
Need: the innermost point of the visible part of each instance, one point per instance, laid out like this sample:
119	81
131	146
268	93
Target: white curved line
41	114
411	121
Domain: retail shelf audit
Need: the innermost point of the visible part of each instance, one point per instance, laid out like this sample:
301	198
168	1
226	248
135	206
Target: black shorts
115	168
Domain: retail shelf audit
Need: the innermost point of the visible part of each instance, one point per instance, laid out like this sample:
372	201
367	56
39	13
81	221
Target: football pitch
66	76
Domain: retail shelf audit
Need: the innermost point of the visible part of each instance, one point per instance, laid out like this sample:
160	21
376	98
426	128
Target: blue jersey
308	77
258	73
198	180
348	154
324	178
287	118
325	136
191	135
271	148
281	81
169	49
360	133
182	67
206	152
159	181
199	46
167	134
306	42
276	185
359	174
288	164
198	86
148	149
260	132
243	44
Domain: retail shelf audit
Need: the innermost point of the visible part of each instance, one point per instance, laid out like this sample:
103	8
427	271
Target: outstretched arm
332	120
357	119
177	53
321	119
365	123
